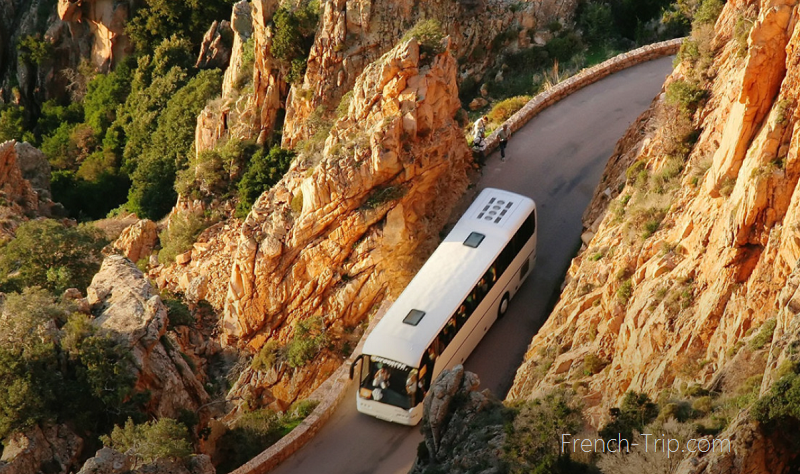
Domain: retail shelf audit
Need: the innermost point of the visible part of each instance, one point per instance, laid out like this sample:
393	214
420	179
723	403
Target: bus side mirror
353	365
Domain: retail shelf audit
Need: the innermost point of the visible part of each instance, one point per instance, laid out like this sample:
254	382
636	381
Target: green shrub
780	407
309	338
12	123
685	95
294	36
148	442
764	335
268	356
177	311
532	438
429	34
34	49
504	109
152	192
636	411
597	22
154	20
51	255
708	11
593	365
297	202
255	431
380	196
625	291
263	171
179	236
73	375
741	32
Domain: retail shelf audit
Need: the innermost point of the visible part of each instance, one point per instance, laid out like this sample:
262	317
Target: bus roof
449	275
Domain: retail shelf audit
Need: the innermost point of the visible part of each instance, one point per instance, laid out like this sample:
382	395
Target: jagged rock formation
317	255
24	186
54	446
138	240
109	461
75	30
333	239
215	50
665	307
105	21
126	307
352	34
206	274
245	115
463	428
754	447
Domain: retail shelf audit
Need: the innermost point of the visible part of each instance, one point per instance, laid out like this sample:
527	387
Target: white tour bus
444	312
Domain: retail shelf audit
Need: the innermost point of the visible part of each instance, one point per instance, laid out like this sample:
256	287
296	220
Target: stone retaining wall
330	393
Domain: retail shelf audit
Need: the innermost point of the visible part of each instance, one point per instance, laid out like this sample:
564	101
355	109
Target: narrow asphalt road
556	159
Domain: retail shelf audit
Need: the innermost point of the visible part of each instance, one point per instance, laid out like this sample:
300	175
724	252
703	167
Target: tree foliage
161	439
55	366
152	192
263	171
636	411
157	19
51	255
533	439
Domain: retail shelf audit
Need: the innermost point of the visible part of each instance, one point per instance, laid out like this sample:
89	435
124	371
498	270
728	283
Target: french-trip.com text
648	442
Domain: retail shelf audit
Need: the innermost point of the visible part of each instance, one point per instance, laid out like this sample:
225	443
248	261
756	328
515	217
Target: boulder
54	448
215	50
138	240
128	309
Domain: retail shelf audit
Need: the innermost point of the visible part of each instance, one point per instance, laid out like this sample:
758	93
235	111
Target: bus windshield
390	382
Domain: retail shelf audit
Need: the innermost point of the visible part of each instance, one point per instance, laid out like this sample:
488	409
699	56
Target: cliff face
350	36
685	258
105	21
73	31
24	186
333	239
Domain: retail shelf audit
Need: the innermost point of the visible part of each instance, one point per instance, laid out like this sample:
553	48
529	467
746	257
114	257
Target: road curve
557	159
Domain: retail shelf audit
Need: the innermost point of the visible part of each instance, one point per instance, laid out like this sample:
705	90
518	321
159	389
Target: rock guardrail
333	390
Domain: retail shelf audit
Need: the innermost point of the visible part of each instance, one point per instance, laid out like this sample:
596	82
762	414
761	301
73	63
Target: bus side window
448	332
461	316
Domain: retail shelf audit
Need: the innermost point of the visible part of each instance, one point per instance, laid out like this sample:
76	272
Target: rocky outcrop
127	308
686	259
105	20
462	428
244	112
756	448
109	461
24	186
334	239
353	34
350	36
138	240
55	446
215	50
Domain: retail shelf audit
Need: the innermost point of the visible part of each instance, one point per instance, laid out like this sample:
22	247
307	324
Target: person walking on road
479	140
502	134
479	129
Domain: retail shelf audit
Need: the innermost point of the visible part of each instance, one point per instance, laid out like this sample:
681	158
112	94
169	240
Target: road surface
557	159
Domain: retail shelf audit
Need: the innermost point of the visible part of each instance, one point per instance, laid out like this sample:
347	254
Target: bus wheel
501	310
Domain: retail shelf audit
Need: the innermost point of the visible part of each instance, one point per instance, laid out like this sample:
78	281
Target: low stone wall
583	79
330	393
